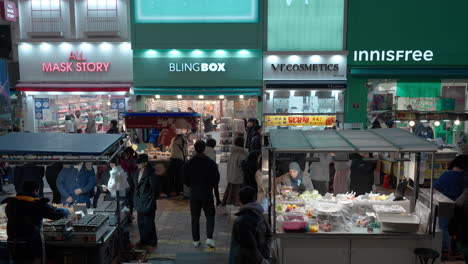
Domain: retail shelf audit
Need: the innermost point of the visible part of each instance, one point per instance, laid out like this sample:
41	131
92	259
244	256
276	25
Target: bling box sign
306	66
100	62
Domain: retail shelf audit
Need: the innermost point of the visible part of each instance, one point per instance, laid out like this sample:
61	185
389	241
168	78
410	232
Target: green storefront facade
406	53
191	50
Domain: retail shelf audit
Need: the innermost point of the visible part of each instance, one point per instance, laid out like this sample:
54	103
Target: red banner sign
160	122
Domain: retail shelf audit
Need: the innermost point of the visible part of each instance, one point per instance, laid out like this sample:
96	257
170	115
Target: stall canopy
375	140
58	144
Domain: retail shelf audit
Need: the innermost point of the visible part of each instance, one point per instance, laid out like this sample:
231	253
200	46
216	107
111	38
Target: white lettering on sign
393	55
78	63
197	67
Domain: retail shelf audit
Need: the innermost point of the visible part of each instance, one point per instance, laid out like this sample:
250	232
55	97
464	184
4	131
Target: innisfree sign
393	55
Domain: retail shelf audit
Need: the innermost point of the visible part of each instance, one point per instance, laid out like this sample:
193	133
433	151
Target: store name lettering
393	55
197	67
76	63
305	67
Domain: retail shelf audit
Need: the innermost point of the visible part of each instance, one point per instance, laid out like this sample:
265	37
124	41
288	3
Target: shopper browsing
25	214
234	173
179	152
249	131
69	126
78	122
202	176
211	153
113	127
146	194
91	125
251	234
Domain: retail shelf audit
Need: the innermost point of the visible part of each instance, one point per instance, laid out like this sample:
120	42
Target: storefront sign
75	62
401	33
300	120
393	55
197	67
304	67
8	10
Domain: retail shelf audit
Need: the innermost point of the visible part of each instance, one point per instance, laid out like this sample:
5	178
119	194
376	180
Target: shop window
102	16
46	16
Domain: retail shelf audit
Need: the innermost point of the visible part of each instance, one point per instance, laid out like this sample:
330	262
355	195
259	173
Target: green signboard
401	33
305	25
197	68
196	11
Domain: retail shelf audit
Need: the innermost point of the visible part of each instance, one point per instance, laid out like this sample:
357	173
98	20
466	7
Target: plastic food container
399	223
389	209
294	224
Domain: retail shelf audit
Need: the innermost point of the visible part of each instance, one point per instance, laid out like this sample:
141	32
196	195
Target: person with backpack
251	234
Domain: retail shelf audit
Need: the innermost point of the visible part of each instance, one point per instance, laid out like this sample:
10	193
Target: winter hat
295	166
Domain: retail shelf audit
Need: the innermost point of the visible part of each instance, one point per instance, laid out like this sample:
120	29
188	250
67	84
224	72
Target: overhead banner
75	62
311	120
310	66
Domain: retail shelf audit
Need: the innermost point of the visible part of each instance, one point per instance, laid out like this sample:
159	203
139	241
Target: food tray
399	223
294	224
389	209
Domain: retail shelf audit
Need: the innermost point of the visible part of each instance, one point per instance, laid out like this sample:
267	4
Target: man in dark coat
362	174
202	176
147	187
251	234
249	166
25	213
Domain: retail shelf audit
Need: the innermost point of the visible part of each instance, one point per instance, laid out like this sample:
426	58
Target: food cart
371	228
96	236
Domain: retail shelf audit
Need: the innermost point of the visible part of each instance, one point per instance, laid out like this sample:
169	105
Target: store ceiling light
45	46
315	58
85	46
157	96
457	122
65	46
244	52
241	96
221	97
151	52
201	97
412	123
293	58
174	52
197	52
220	52
179	96
273	59
105	46
125	46
437	123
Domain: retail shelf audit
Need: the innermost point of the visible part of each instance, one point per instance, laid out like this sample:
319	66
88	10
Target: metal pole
431	202
273	175
416	181
399	169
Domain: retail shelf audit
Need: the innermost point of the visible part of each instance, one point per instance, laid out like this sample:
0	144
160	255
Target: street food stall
87	236
347	227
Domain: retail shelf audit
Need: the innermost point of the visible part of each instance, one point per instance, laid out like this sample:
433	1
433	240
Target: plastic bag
117	180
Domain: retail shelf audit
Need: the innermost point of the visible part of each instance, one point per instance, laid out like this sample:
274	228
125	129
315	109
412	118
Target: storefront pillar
356	101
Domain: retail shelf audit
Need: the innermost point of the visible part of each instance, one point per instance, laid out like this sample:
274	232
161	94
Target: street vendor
294	178
75	184
25	214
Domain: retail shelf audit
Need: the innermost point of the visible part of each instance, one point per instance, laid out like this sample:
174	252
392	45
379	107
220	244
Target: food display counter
347	228
87	236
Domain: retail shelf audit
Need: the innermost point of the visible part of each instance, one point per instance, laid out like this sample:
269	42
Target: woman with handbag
146	194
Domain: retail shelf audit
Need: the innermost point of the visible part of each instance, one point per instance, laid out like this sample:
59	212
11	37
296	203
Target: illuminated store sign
305	66
197	67
393	55
77	62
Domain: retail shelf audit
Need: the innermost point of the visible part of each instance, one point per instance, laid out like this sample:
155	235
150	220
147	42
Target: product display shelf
226	137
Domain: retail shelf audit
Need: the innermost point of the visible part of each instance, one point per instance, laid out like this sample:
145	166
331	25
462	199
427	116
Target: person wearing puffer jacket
75	183
251	233
458	228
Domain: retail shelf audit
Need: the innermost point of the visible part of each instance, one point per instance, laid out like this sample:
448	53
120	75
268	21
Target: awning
429	72
198	91
73	87
375	140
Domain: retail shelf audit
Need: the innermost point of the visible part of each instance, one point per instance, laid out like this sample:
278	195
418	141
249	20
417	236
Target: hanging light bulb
437	123
457	122
412	123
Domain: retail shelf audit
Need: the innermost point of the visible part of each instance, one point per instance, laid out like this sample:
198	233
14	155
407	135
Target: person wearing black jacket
147	186
202	176
362	174
458	228
249	166
25	213
29	172
251	233
114	127
52	173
